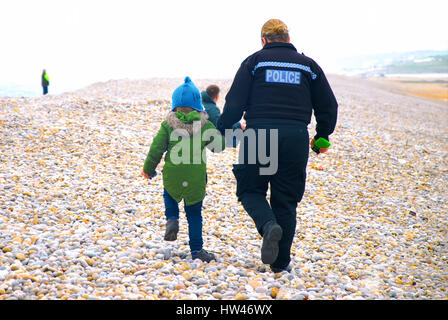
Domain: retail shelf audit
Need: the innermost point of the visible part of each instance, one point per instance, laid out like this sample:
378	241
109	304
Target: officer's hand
321	150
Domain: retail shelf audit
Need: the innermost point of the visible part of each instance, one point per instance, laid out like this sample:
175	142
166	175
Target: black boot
272	233
288	268
172	228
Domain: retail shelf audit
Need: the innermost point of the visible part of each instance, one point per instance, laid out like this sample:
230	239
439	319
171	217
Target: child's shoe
172	228
203	255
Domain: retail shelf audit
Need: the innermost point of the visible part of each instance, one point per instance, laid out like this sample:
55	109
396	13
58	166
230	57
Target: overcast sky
80	42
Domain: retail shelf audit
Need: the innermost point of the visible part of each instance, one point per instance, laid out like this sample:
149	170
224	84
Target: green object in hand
321	143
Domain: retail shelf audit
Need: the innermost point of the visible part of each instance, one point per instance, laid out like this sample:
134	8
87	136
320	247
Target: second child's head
187	97
213	92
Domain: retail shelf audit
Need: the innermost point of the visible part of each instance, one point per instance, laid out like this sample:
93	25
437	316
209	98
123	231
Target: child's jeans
194	219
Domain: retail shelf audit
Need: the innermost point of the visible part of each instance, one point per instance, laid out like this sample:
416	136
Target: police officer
277	89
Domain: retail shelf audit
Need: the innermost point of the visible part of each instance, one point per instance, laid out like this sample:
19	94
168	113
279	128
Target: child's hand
147	176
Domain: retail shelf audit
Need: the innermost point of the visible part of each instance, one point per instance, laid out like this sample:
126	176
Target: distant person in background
45	81
209	99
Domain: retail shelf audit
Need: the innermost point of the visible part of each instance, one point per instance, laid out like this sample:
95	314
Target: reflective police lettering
283	76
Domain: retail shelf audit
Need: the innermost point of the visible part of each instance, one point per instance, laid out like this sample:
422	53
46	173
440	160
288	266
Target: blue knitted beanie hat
187	95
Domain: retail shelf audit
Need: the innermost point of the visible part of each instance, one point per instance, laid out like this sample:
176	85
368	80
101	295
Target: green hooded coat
184	137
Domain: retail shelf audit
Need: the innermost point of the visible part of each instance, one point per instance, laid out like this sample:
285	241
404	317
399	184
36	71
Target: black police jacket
277	82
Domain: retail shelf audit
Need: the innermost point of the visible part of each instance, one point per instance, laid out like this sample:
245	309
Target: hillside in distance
432	64
415	62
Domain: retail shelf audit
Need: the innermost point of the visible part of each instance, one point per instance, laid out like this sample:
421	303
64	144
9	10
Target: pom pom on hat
187	95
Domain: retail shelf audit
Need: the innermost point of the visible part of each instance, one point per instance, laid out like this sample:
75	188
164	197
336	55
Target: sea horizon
35	90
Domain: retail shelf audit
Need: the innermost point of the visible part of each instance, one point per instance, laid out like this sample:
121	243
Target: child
184	179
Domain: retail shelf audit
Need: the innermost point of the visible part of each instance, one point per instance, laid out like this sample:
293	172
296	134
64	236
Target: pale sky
81	42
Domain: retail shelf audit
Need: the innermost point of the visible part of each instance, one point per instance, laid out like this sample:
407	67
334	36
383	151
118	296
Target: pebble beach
77	221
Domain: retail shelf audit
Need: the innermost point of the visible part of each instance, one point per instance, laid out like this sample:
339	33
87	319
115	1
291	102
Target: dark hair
283	37
212	91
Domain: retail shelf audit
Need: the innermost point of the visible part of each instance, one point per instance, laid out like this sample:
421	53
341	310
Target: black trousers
287	184
45	89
